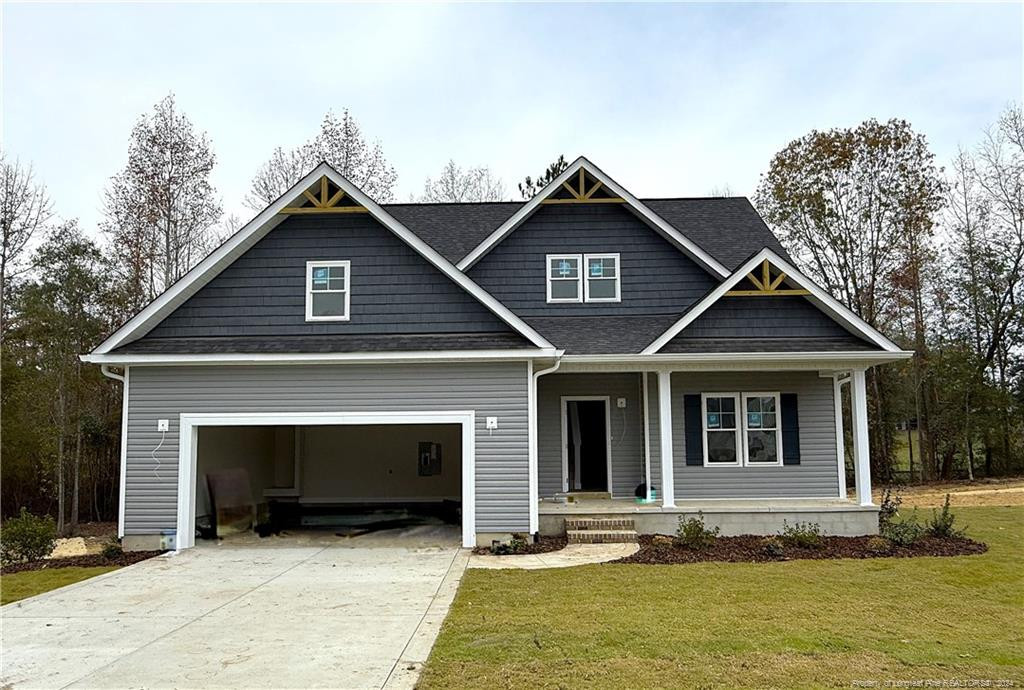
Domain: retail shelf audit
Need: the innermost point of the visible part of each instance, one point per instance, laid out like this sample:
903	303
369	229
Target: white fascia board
267	220
650	217
824	301
319	357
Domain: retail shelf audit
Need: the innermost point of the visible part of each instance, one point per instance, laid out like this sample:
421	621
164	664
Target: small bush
515	545
772	547
905	532
802	535
890	506
879	545
112	549
27	538
693	535
941	524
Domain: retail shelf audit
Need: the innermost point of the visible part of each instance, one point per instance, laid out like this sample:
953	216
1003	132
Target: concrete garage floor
302	612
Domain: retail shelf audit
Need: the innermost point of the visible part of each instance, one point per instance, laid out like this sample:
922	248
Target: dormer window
583	278
327	293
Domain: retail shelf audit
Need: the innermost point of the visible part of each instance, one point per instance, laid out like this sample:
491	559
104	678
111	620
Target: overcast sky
670	100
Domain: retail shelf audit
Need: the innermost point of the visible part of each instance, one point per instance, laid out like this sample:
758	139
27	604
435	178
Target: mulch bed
542	545
91	561
751	549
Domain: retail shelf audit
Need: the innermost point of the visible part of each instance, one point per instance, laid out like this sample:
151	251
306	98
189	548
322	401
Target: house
504	358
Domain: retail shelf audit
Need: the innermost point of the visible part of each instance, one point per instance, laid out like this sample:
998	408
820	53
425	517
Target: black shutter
691	420
790	429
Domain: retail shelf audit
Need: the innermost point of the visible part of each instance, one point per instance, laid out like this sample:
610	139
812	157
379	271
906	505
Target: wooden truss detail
322	203
766	285
581	195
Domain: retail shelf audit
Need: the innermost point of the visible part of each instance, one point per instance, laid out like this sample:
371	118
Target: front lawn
786	624
16	586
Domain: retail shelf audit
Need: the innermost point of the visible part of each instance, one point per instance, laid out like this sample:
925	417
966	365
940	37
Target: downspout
532	441
123	378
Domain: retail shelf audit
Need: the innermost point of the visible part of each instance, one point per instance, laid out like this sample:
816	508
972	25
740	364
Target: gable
394	290
656	278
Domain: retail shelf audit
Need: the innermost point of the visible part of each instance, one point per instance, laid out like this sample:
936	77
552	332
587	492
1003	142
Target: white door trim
189	435
566	399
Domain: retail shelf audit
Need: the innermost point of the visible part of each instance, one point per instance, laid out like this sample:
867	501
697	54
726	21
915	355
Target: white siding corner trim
189	441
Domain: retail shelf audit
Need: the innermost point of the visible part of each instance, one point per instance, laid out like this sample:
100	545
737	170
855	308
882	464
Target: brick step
603	524
607	536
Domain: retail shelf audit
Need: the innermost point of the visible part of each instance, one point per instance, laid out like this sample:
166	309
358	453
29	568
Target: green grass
790	624
16	586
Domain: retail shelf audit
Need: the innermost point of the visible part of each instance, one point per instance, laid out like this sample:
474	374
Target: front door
586	438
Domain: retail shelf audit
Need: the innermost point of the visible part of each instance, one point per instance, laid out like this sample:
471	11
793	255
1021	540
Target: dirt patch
985	492
89	561
752	549
542	545
100	530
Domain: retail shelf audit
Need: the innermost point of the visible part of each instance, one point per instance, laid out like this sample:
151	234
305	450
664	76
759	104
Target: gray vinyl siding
490	389
627	451
393	288
816	475
769	317
657	278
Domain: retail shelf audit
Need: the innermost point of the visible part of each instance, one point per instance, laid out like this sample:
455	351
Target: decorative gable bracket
767	285
324	197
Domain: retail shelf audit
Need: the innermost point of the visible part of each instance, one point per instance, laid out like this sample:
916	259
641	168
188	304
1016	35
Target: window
564	279
327	294
583	278
762	437
602	278
721	428
741	429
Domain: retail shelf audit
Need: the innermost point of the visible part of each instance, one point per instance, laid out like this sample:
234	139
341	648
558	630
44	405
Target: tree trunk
76	472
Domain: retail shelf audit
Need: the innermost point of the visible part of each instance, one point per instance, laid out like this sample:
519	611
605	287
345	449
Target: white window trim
738	432
579	278
310	266
586	278
778	429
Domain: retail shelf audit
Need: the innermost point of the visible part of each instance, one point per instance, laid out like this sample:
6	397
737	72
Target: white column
837	385
647	436
668	496
861	456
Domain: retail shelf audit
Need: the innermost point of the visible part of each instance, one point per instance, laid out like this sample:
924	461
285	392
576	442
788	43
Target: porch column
837	385
861	456
668	495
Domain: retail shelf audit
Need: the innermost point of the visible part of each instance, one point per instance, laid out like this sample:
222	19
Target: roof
849	343
326	344
727	227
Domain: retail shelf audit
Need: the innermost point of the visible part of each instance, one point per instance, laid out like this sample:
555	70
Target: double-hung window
583	278
741	429
327	290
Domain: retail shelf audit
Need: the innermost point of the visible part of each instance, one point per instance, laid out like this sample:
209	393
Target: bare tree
160	209
341	143
24	209
457	185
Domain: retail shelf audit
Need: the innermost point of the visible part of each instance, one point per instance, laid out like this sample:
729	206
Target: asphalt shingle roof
326	344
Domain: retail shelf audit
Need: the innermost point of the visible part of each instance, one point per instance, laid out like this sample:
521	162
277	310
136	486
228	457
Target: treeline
931	257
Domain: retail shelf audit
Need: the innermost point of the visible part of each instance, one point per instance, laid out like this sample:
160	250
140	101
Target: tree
528	188
24	209
456	185
160	209
856	208
340	143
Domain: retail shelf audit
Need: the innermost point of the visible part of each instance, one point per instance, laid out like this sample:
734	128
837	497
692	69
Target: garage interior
347	479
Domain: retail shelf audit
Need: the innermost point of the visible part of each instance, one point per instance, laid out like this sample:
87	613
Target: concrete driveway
283	613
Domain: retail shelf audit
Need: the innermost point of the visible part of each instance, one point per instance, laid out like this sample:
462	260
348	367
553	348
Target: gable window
583	278
327	290
722	445
565	283
602	278
762	439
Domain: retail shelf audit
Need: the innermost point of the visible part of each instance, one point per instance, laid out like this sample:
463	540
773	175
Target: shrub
905	532
879	545
802	535
693	535
112	549
27	538
890	507
513	546
941	524
772	547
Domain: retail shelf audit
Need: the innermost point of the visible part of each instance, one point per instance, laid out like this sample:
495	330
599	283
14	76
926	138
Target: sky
668	99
